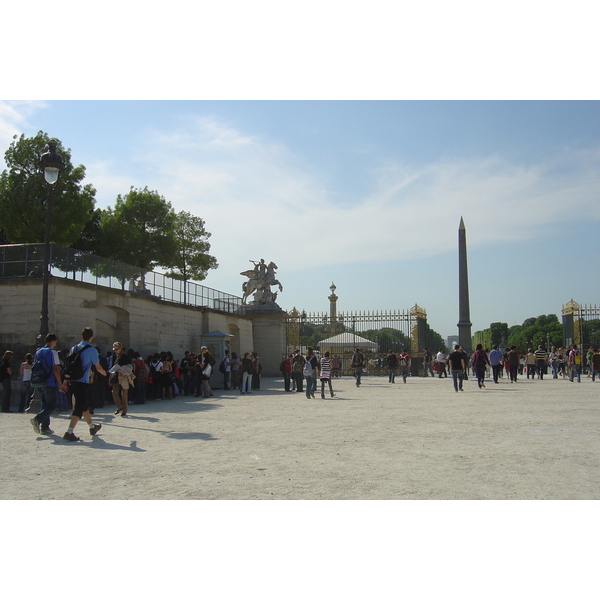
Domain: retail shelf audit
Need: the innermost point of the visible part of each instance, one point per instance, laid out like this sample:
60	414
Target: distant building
451	341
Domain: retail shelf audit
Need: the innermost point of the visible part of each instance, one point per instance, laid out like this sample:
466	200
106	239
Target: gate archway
375	333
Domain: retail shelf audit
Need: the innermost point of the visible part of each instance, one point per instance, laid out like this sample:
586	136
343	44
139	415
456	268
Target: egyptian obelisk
464	317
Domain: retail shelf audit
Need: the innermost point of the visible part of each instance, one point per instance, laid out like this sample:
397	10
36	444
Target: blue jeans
576	370
25	395
540	366
594	373
62	401
49	402
311	385
404	373
457	378
357	374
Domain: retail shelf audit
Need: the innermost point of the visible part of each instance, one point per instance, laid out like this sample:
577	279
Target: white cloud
255	193
14	120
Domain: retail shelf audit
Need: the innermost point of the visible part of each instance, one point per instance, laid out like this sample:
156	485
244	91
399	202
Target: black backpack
39	370
74	365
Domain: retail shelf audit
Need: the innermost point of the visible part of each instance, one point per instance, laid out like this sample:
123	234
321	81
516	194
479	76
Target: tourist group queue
159	376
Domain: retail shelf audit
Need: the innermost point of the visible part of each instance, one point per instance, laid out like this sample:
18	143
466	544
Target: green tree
536	331
191	259
140	230
499	332
23	195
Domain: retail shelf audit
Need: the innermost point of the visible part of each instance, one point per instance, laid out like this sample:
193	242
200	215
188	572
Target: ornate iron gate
581	324
375	333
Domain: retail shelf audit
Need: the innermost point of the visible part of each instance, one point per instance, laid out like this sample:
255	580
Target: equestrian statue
260	280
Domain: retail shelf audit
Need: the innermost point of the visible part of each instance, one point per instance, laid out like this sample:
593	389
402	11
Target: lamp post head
51	163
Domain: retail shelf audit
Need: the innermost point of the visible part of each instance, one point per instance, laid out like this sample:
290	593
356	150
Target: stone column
464	318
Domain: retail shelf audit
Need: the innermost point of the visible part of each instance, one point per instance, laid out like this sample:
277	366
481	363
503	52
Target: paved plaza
419	440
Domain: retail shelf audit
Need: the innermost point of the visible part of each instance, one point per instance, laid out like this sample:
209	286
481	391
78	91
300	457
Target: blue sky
367	194
344	144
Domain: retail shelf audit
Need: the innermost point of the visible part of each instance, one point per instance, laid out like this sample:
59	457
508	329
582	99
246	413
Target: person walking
456	361
120	379
514	361
311	371
478	362
541	361
530	363
48	356
575	364
404	362
297	369
496	362
325	375
357	363
441	361
427	363
392	365
88	356
553	361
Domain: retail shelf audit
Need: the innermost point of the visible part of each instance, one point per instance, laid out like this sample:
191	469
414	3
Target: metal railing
27	260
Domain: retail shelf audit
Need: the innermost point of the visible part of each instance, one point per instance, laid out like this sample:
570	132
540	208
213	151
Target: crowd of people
493	364
121	377
79	379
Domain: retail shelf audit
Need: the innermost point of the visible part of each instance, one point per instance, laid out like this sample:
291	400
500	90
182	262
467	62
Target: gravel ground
419	440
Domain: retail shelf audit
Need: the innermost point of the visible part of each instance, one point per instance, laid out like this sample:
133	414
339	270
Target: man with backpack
83	356
297	370
45	375
404	362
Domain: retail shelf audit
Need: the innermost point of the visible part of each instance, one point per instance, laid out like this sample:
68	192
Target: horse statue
260	280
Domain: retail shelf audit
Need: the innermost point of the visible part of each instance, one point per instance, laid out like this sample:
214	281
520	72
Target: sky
344	142
343	145
364	194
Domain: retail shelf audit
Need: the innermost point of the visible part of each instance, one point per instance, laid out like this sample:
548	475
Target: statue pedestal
268	330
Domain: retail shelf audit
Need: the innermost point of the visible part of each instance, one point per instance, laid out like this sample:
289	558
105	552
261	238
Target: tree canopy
536	331
191	259
23	194
140	230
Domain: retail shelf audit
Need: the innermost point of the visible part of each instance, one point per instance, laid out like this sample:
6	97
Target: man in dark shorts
81	408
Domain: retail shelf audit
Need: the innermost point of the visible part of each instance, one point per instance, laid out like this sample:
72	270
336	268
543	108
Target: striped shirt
325	368
540	355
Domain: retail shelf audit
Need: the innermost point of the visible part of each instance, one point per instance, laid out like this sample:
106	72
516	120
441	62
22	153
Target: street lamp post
51	163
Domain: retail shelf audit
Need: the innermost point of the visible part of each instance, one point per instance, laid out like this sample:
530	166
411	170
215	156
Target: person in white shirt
441	360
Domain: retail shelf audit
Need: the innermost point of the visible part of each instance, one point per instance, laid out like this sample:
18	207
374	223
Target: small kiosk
217	342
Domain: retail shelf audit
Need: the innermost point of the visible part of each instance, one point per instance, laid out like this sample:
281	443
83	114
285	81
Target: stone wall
146	323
